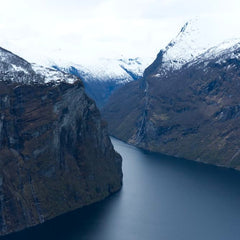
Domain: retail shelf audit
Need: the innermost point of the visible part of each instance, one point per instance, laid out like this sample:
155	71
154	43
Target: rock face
190	111
55	154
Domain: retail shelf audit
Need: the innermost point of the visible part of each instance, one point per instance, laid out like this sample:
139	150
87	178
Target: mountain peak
195	38
189	26
189	43
11	62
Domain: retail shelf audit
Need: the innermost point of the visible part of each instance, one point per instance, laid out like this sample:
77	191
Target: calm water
162	199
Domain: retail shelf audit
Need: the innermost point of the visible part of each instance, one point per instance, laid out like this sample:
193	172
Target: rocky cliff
55	154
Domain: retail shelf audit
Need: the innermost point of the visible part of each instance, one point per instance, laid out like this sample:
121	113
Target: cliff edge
55	153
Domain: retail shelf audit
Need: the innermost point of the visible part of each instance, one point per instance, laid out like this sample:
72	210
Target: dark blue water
163	198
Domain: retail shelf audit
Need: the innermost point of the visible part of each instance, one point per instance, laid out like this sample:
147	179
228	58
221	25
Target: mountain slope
189	109
55	154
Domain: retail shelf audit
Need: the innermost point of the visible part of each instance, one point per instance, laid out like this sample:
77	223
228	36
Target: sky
80	30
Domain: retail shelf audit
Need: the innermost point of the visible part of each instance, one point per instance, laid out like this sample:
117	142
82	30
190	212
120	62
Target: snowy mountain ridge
227	49
16	69
187	45
119	70
52	75
194	42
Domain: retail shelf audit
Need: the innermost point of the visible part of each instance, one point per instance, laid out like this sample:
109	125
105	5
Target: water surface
162	198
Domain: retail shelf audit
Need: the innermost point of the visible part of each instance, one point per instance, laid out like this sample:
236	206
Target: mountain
194	39
55	154
186	105
103	77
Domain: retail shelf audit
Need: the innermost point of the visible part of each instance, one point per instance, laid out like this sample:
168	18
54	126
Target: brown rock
55	154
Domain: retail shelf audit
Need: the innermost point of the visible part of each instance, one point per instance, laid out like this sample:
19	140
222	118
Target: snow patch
52	75
19	69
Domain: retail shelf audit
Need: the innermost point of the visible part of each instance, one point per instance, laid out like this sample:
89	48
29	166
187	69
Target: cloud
77	30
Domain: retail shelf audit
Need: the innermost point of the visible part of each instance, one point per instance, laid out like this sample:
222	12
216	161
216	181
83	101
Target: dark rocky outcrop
55	154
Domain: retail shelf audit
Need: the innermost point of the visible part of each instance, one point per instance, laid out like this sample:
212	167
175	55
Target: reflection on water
162	198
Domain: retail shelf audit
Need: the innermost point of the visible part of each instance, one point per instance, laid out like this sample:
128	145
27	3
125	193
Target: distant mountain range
187	104
101	76
104	76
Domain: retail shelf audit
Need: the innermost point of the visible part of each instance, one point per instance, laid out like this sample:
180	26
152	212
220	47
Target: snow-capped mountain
186	104
118	70
193	42
16	69
187	45
103	77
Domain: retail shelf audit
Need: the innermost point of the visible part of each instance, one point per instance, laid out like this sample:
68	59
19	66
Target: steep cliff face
191	112
55	154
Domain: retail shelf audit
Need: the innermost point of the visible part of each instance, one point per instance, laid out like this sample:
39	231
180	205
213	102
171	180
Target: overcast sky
74	30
